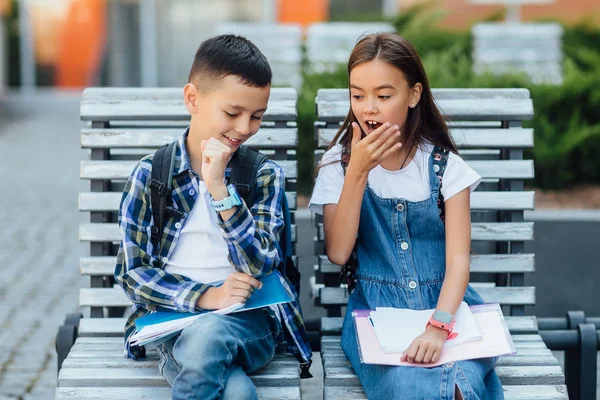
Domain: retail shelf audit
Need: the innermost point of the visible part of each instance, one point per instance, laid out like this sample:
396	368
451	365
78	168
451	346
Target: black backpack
244	164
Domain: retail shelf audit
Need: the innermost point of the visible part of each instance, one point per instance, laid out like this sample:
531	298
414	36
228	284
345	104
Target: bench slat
160	393
268	138
329	94
334	296
121	170
494	263
493	231
109	201
98	232
463	109
529	392
513	138
126	104
102	327
105	265
274	376
525	375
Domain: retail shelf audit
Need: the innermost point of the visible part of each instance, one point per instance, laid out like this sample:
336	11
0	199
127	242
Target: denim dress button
178	225
412	284
404	246
400	207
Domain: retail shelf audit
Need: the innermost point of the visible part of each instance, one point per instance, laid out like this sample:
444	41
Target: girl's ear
190	96
415	94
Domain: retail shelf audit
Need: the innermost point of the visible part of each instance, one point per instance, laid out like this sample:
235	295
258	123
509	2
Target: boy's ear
190	96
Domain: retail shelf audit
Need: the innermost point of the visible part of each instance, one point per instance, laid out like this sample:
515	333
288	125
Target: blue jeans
211	358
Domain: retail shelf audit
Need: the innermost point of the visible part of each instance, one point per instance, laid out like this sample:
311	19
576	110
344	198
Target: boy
227	94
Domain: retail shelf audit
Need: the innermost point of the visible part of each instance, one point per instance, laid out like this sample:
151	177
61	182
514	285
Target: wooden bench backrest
486	124
533	48
126	124
280	43
329	44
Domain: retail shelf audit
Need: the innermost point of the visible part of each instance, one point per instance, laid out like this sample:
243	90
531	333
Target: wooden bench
123	126
329	44
486	124
532	48
281	44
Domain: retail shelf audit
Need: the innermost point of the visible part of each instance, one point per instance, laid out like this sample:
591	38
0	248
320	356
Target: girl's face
379	93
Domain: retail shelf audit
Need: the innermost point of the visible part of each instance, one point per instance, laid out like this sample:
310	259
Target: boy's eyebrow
244	108
384	86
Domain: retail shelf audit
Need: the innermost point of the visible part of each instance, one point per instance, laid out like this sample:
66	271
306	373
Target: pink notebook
496	340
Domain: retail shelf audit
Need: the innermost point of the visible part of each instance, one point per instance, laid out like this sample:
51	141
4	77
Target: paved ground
39	249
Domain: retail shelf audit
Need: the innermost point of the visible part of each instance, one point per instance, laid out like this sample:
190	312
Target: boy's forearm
220	192
209	299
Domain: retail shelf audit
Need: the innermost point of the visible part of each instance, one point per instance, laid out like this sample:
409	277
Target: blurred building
461	14
77	43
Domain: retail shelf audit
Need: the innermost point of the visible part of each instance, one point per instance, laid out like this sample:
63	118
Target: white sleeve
458	176
329	182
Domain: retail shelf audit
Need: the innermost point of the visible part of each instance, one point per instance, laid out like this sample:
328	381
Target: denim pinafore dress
401	253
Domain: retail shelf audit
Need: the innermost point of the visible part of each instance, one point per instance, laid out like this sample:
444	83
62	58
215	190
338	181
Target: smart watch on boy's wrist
442	320
228	202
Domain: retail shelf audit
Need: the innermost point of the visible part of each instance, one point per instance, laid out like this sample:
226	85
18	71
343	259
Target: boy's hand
368	152
426	348
237	288
215	156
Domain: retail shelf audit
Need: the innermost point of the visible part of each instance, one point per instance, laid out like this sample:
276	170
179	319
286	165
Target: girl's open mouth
372	125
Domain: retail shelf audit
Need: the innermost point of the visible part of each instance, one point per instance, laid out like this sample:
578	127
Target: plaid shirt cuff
188	296
236	227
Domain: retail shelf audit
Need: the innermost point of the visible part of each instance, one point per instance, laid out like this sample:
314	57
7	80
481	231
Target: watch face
237	200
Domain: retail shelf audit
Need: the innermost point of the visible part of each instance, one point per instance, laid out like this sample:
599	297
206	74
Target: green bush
566	117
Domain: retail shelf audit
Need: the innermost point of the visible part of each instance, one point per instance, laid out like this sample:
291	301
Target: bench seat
98	362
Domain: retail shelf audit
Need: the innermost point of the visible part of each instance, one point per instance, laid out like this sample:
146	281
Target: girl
392	179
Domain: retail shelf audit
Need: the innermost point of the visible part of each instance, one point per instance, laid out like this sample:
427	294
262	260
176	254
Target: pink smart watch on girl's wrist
442	320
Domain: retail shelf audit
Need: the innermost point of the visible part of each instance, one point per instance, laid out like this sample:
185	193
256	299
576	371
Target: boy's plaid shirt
251	236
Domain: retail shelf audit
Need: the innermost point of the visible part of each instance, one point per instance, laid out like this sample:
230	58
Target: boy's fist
215	156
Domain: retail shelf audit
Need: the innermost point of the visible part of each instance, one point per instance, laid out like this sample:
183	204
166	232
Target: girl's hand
368	152
426	348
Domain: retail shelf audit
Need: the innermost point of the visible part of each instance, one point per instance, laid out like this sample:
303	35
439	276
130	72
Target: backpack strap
440	161
163	164
245	164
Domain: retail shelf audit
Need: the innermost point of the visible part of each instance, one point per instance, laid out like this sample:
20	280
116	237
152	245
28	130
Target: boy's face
229	111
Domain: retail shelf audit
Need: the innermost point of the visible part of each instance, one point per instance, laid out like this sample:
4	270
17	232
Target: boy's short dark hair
225	55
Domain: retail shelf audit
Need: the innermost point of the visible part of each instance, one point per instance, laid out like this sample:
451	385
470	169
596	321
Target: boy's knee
207	333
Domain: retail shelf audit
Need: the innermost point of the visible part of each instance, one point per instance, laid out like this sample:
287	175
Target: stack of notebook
158	327
385	333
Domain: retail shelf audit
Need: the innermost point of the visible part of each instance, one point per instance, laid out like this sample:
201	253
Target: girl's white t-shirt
410	183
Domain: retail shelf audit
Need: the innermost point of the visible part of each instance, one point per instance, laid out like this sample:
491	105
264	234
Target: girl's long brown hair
424	123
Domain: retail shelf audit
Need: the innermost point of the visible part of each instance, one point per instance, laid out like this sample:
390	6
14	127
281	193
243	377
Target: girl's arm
340	221
458	245
428	346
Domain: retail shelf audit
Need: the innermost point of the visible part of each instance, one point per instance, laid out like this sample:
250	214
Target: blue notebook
156	328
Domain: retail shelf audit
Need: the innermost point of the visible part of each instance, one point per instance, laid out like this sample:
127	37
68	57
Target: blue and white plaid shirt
251	236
